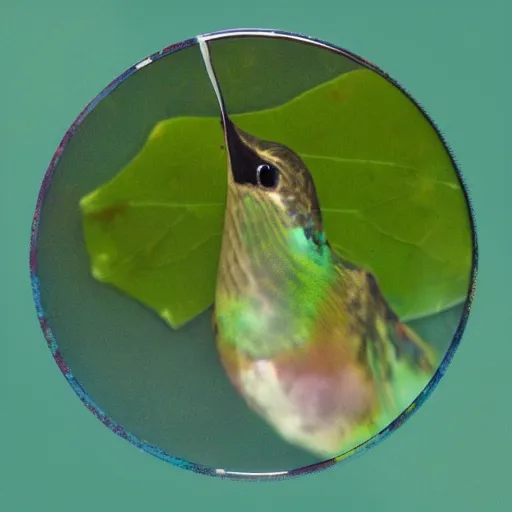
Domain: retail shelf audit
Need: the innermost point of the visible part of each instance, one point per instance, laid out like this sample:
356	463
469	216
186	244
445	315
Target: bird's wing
381	326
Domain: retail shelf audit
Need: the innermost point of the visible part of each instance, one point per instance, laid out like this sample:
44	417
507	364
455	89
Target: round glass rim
79	389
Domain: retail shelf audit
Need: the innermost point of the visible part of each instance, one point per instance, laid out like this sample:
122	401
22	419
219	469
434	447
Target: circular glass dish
126	244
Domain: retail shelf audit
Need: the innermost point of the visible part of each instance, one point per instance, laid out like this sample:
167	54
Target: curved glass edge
152	449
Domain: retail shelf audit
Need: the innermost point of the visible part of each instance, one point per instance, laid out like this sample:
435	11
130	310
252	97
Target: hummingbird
307	338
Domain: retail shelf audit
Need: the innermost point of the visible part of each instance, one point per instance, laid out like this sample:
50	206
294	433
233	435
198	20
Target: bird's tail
411	347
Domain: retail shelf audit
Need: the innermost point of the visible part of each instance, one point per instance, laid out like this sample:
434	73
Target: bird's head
271	173
268	183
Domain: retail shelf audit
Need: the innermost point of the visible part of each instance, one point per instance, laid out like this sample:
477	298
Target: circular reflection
324	217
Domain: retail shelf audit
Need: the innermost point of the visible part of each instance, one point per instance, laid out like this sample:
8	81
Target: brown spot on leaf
109	213
338	95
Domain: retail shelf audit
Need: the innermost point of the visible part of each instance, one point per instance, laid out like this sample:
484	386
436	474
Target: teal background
453	454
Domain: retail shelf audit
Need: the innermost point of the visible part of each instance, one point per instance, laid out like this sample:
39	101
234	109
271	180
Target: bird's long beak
233	142
235	147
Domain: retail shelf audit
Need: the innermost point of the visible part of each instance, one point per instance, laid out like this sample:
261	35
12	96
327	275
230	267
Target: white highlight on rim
262	33
143	63
243	473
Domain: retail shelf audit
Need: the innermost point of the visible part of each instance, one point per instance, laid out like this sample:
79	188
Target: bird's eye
267	175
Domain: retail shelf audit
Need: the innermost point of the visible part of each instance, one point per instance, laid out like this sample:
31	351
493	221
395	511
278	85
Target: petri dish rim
79	389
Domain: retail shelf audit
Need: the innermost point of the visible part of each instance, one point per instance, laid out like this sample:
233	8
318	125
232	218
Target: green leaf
389	194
